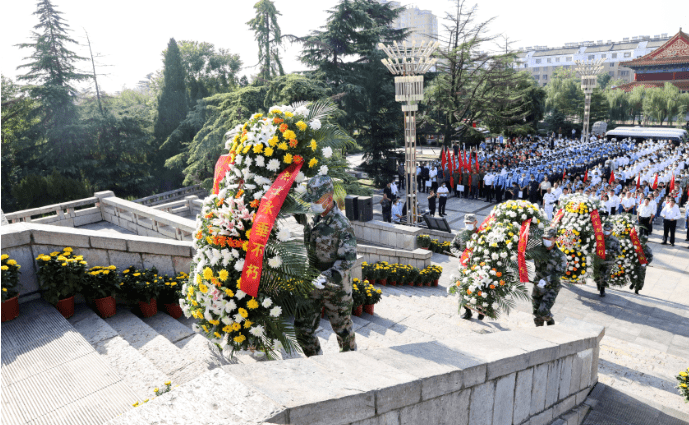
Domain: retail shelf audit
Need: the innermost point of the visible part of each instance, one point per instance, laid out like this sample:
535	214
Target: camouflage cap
317	187
607	225
550	232
469	218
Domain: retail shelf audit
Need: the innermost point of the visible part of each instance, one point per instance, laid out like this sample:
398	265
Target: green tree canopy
269	37
564	94
208	71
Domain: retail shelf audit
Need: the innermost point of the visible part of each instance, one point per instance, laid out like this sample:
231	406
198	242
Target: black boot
538	322
636	291
602	291
480	317
631	286
550	322
467	314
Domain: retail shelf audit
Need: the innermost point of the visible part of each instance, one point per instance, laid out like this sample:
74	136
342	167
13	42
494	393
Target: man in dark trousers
533	190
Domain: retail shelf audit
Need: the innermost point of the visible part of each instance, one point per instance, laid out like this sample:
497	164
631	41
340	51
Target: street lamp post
409	63
589	80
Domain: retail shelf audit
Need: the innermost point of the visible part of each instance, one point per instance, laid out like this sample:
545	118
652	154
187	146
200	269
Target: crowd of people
648	179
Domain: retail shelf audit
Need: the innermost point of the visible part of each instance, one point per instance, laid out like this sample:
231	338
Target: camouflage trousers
338	304
542	300
641	277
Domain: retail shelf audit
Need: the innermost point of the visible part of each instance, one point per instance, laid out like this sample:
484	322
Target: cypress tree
172	109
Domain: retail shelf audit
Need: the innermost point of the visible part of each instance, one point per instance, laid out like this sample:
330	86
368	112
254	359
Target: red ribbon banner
637	246
263	223
467	252
558	217
598	231
221	167
521	251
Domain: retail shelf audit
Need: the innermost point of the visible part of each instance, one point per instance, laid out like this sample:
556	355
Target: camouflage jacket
612	249
551	267
331	243
459	243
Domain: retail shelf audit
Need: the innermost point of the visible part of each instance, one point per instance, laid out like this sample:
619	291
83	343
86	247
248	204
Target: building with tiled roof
542	61
668	63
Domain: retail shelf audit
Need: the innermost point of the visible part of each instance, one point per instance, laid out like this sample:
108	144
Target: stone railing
524	376
26	241
69	214
386	234
173	195
419	258
143	220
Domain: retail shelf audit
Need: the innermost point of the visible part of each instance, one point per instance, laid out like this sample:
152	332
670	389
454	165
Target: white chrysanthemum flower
473	301
323	170
238	318
267	303
276	311
239	265
300	189
257	331
275	262
302	110
273	165
240	294
300	177
327	152
260	161
495	306
226	320
207	315
238	161
284	234
230	306
494	256
315	124
235	253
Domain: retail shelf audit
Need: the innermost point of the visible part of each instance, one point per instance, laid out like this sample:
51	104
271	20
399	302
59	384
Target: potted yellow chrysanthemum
10	280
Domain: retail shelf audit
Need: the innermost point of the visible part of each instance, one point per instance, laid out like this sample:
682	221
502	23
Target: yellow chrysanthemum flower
252	304
203	288
268	152
246	149
4	257
4	268
241	338
301	125
313	162
289	114
287	159
214	322
68	249
258	148
236	326
242	312
198	279
223	275
289	134
227	329
273	141
247	324
283	146
229	292
207	273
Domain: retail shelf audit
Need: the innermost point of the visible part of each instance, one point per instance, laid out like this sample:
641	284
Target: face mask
607	233
469	226
317	208
547	243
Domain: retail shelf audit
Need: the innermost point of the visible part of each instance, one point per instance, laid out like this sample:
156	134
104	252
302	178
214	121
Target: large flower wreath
628	263
577	236
489	277
260	150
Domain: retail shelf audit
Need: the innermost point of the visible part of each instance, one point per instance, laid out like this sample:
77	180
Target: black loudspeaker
352	207
365	208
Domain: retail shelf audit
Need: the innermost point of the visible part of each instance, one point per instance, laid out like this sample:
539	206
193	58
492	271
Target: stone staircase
147	352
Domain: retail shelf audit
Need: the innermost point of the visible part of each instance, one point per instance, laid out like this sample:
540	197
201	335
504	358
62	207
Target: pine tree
172	109
269	38
51	71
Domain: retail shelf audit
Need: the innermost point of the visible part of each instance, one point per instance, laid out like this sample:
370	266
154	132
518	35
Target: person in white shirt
397	210
393	187
645	215
614	201
443	191
432	175
670	214
628	204
549	200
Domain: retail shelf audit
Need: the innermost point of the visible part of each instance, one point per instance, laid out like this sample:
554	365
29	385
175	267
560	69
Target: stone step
193	345
165	355
137	372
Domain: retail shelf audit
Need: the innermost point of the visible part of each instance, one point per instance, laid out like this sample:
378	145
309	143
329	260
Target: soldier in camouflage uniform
612	251
330	241
459	244
640	269
549	269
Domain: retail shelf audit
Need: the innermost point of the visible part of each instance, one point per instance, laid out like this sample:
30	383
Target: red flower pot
66	307
393	283
427	283
148	309
174	310
383	282
107	307
322	312
368	309
410	283
357	311
435	282
10	309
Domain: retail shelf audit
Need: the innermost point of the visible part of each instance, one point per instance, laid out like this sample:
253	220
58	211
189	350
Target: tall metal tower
589	80
410	63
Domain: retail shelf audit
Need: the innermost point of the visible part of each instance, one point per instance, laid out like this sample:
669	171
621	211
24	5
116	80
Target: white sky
130	35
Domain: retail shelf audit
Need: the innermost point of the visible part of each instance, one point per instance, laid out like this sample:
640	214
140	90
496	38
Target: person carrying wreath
459	244
549	269
612	251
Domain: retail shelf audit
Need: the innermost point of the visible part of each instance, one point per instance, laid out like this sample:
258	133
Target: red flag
442	158
638	182
655	182
452	181
564	173
452	162
586	175
612	177
476	162
672	183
